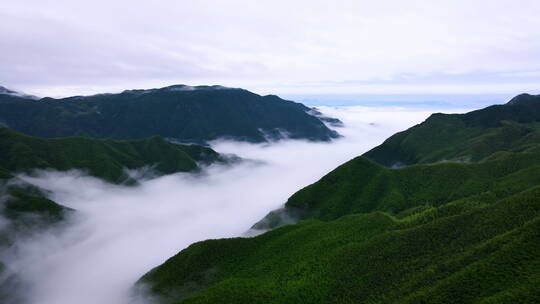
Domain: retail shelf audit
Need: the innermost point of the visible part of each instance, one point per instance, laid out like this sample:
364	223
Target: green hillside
467	137
24	212
410	235
360	186
446	232
24	209
106	159
187	114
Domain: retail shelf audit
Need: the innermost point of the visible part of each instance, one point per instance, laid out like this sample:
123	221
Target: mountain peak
183	87
180	87
524	99
6	91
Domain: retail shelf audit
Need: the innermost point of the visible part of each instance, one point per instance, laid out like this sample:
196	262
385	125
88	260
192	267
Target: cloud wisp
119	233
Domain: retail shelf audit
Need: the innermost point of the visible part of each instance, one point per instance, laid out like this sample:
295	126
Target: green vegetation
360	186
24	209
23	204
197	115
24	212
188	114
464	137
106	159
442	233
445	232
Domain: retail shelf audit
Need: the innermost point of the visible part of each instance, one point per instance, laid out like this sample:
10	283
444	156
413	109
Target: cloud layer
63	47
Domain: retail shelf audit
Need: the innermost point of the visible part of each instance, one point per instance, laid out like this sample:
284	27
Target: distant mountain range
447	211
5	91
183	113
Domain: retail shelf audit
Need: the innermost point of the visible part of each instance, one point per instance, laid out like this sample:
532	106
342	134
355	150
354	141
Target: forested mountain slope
466	137
25	210
445	232
103	158
184	113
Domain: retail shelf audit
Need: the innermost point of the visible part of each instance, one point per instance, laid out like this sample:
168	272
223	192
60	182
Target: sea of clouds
120	232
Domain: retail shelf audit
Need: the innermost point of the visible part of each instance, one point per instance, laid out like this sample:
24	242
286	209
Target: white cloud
266	45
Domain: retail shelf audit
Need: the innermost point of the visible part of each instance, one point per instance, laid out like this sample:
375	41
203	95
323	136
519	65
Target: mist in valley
118	233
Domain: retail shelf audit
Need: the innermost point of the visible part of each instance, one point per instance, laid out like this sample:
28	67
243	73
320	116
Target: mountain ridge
103	158
188	114
462	137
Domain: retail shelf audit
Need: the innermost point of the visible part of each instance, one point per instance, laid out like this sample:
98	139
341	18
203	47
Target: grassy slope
24	212
101	158
360	186
469	137
439	233
23	205
432	233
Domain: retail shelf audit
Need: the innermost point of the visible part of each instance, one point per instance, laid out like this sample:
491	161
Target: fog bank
119	233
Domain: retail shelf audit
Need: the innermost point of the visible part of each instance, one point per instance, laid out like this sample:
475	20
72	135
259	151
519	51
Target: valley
426	209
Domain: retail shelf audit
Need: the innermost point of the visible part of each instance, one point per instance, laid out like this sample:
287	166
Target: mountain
423	236
184	113
443	232
103	158
5	91
25	210
463	137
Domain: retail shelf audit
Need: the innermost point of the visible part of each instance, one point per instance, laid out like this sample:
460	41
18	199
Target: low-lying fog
119	233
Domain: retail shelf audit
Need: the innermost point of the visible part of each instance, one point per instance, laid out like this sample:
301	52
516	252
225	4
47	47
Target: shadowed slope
187	114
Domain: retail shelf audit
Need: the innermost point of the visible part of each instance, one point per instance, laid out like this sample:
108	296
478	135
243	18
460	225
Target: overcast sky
285	47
